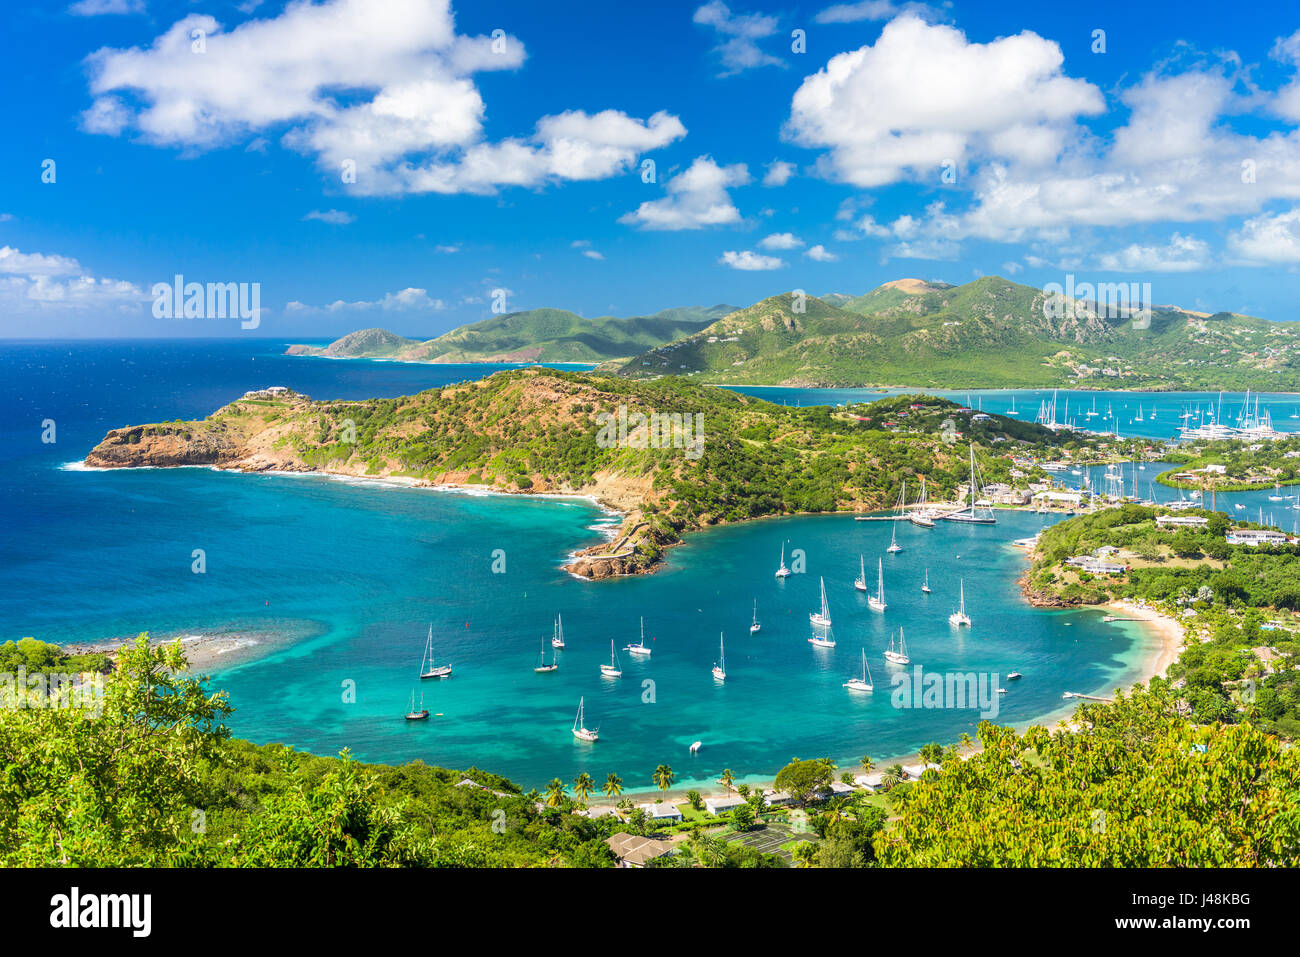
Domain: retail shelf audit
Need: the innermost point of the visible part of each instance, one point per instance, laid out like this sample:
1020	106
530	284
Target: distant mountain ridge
987	333
537	335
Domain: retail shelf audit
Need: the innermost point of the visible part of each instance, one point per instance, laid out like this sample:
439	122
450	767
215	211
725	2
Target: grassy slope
990	332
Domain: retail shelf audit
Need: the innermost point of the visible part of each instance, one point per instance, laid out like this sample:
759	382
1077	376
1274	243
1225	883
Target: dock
1090	697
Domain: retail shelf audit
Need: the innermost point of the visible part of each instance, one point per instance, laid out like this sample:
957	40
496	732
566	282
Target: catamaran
876	602
822	619
420	713
860	583
755	628
612	670
863	683
959	617
720	667
898	657
893	542
640	649
580	729
925	586
974	513
782	571
427	668
557	635
542	666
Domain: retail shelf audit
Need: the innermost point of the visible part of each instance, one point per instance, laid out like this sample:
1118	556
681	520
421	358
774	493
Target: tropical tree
867	765
583	785
697	802
805	852
663	777
555	793
742	816
613	785
727	779
801	779
966	741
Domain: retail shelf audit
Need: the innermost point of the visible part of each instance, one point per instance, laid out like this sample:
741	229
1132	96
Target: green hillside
990	333
538	335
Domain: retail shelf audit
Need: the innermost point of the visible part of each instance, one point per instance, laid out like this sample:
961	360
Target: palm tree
966	741
867	765
583	785
727	779
554	793
805	853
663	777
613	785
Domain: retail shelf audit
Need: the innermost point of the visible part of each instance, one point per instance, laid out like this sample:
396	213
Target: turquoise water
338	581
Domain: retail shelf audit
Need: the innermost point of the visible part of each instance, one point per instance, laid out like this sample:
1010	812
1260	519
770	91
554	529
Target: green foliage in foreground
155	780
1135	786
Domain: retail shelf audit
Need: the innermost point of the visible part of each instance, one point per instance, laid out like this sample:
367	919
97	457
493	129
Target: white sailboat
863	683
860	583
821	619
898	657
1012	410
612	670
876	602
427	668
893	542
580	729
1277	495
755	628
542	667
782	571
959	617
920	515
974	513
640	649
557	636
720	667
925	586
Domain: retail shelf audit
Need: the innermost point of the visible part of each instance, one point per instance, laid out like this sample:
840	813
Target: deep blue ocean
334	584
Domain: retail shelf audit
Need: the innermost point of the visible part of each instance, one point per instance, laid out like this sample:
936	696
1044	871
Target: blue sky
943	141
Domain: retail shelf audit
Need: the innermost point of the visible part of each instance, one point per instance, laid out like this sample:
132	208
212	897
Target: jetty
1090	697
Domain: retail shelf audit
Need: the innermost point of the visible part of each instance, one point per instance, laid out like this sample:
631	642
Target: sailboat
1012	410
893	542
860	583
417	714
898	657
612	670
1277	495
782	571
542	666
557	637
863	683
925	586
427	668
876	602
720	667
920	515
822	619
959	617
640	649
755	628
580	729
973	513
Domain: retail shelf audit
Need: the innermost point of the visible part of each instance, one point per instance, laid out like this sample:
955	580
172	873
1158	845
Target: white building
662	811
1182	521
1255	536
717	805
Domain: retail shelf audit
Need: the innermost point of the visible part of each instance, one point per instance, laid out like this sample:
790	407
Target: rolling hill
987	333
538	335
